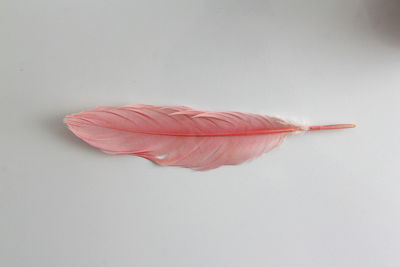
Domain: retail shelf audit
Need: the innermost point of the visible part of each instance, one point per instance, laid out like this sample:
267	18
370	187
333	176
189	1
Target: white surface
322	199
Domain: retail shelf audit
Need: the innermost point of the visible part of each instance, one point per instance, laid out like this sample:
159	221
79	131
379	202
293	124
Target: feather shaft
331	127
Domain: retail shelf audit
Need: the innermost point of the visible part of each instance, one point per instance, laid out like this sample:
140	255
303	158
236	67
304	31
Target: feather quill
181	136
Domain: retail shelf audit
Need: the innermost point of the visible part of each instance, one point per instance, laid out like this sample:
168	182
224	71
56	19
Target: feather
181	136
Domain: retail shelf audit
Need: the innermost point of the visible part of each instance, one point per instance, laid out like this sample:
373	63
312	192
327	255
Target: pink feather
181	136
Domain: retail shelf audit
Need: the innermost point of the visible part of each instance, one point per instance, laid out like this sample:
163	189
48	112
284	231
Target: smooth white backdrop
321	199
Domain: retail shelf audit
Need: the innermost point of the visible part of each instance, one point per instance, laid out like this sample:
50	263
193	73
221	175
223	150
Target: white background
321	199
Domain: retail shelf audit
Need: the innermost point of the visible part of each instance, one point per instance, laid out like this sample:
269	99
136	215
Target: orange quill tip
331	127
